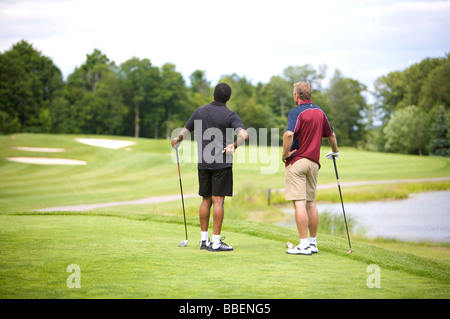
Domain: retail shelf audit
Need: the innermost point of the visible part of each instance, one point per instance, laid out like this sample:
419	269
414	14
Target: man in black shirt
215	126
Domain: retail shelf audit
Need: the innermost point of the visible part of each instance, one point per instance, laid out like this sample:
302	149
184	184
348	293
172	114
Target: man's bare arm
334	147
177	140
288	138
241	138
333	142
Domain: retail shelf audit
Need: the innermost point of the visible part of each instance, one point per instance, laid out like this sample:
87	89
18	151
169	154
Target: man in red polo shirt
307	125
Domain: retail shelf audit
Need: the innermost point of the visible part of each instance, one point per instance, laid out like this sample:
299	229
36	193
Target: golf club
184	242
342	203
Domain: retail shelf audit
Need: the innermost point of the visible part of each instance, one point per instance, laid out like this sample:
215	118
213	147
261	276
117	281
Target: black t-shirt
215	127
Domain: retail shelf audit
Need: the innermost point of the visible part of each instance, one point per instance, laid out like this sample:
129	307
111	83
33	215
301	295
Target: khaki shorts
301	180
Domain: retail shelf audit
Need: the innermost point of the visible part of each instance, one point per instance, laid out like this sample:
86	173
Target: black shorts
217	182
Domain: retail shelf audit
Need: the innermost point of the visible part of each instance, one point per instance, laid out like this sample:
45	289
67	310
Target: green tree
407	131
244	101
8	124
140	82
307	74
173	96
94	96
416	76
279	95
28	83
436	87
439	141
347	109
199	83
109	91
200	91
390	90
88	113
425	84
96	67
61	114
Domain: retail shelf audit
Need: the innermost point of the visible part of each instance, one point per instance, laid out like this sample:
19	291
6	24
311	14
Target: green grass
146	169
131	251
138	257
372	192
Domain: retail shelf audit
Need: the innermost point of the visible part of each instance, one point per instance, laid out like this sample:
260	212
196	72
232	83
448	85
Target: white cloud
256	39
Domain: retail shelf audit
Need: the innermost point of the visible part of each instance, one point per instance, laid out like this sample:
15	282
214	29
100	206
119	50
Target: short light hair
303	90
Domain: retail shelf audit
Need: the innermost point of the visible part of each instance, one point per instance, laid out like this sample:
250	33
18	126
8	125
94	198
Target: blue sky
255	39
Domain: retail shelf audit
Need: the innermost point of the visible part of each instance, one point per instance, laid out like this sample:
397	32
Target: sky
256	39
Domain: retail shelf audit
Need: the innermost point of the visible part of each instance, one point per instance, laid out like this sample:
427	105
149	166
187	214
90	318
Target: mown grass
148	169
367	193
138	257
131	251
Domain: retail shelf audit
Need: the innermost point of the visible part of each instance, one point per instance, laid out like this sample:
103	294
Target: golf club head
183	243
349	252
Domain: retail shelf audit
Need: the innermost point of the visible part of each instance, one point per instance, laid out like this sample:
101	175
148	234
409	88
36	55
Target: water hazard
421	217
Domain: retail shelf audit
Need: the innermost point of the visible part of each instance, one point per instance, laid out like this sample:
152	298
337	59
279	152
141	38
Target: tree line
413	107
137	98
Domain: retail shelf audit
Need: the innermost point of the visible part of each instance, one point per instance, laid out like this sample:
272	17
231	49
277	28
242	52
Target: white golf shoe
299	250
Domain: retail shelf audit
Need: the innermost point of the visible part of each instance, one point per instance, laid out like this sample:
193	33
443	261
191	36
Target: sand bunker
46	161
114	144
38	149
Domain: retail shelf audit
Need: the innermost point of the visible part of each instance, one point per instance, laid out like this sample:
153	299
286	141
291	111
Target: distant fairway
147	169
131	251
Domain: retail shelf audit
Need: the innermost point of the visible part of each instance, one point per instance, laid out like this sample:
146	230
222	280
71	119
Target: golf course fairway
132	251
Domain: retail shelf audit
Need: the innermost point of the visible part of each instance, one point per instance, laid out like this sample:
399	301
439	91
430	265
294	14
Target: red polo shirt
309	124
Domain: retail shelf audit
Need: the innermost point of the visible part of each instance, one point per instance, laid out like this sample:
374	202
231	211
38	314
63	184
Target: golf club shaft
342	202
182	198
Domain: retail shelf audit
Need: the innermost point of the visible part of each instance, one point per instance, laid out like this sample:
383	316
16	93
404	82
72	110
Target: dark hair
222	92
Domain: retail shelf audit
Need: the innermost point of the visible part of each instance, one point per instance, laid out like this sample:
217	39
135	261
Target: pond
421	217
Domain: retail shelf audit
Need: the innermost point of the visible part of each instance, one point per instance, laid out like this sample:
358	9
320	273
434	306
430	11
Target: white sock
312	240
204	235
216	239
304	242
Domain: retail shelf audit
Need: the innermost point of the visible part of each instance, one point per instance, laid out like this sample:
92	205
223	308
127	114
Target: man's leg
313	218
311	208
204	182
222	185
301	218
204	213
218	213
